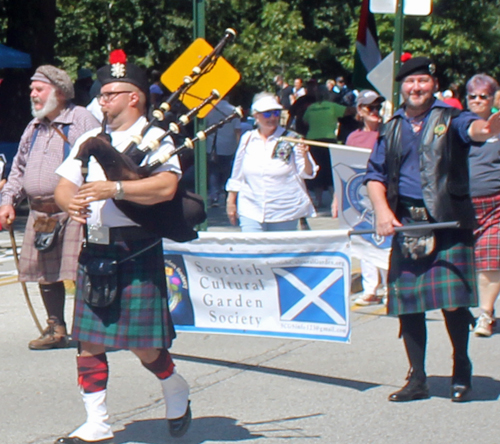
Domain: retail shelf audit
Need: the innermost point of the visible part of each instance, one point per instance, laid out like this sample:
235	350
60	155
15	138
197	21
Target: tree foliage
306	38
152	32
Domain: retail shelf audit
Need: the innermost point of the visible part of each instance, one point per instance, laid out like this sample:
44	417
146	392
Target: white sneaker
484	325
370	299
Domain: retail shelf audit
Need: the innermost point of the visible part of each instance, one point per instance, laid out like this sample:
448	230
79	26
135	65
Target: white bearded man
44	144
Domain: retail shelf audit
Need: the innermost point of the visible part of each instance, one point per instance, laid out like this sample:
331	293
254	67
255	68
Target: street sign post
200	154
411	7
381	77
400	8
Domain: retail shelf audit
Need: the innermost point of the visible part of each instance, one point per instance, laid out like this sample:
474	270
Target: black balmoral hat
416	65
119	70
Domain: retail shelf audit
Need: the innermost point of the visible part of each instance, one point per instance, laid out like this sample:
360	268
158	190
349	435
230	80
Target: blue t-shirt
410	184
155	89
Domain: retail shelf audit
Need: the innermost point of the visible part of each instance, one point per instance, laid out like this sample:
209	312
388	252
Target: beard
50	105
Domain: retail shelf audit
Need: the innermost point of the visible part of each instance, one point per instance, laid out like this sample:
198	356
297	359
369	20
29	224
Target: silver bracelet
120	193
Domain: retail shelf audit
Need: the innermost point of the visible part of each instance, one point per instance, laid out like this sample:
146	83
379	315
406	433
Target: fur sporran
46	233
416	244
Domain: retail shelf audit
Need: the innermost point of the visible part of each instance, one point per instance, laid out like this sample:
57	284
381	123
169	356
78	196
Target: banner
284	284
355	208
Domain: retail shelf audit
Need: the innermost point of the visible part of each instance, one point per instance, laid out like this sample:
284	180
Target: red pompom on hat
118	63
119	70
117	56
405	57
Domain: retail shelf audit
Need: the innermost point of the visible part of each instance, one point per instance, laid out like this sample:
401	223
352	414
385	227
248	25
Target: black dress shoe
178	427
76	440
460	392
412	391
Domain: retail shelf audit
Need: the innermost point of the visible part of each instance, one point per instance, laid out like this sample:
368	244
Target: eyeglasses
373	107
275	113
109	96
476	96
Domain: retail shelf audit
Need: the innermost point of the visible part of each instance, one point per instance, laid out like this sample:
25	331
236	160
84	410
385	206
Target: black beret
416	65
119	70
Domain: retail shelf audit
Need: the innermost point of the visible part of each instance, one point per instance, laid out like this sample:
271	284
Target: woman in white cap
266	190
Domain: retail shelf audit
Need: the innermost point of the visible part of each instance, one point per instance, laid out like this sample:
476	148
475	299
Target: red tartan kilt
487	235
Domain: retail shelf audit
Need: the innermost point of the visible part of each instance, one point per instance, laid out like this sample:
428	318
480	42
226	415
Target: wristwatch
120	193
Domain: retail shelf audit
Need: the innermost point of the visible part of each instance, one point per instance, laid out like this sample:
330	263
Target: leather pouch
100	282
46	233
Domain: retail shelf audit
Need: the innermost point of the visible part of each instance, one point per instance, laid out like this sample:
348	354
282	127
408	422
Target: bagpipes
174	219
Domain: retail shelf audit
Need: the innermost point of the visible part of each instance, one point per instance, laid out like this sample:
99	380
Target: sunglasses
480	96
275	113
373	107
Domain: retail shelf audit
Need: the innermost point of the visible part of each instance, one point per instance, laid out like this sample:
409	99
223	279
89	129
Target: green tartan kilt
139	317
445	279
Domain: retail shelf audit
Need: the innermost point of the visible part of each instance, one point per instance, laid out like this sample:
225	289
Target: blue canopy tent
12	58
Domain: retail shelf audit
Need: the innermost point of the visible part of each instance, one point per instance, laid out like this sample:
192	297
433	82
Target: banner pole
417	226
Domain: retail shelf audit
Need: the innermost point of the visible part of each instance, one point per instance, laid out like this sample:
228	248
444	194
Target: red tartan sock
163	366
92	372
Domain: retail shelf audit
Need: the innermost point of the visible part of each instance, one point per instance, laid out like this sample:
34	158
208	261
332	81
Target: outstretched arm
481	130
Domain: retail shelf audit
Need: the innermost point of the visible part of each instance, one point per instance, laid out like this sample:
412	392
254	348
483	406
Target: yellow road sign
222	76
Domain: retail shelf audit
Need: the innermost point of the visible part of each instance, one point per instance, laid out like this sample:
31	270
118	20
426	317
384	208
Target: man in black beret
138	319
418	173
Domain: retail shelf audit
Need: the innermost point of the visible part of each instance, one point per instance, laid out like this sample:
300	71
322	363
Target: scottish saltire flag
311	294
367	55
286	284
355	208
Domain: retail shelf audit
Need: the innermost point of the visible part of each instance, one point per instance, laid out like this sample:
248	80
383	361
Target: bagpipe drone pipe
174	219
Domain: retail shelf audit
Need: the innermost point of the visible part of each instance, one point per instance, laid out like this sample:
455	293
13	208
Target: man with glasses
46	141
138	319
418	173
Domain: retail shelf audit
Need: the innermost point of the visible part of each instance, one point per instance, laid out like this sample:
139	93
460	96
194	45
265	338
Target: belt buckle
97	234
418	213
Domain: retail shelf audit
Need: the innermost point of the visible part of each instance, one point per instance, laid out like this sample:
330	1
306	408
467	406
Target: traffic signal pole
200	153
398	49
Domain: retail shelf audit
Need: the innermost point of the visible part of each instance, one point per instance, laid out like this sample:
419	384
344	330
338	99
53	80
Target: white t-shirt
105	212
269	188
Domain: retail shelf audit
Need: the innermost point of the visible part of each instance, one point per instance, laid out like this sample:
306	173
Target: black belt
121	234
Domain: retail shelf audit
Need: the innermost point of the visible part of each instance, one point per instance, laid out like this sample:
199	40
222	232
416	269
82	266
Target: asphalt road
249	389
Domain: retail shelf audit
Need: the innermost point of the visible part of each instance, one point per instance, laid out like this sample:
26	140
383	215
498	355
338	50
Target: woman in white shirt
266	190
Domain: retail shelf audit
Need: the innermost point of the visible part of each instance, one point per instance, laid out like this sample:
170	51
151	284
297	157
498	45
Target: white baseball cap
266	103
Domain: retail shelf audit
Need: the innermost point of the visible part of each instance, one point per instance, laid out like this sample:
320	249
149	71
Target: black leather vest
444	171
